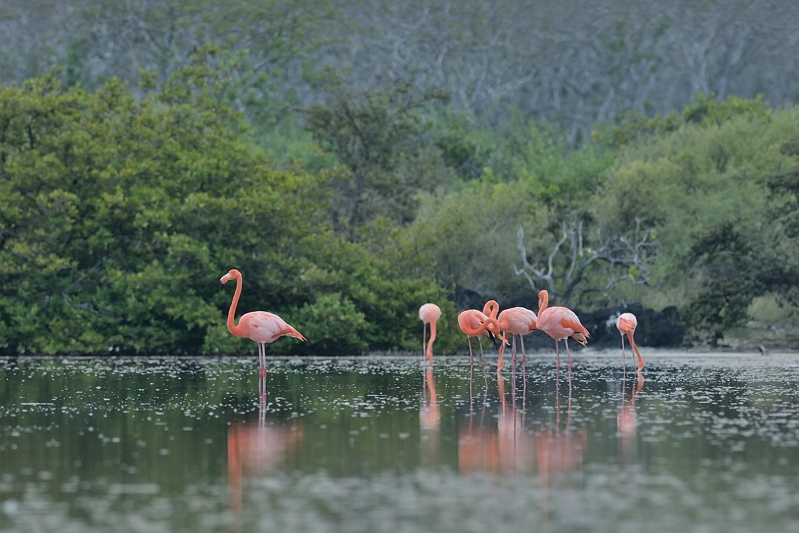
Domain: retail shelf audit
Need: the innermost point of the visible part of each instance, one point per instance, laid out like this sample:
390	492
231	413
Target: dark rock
655	328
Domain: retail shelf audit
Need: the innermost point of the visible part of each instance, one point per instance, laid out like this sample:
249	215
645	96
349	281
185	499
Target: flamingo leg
513	350
483	360
623	355
471	379
513	385
524	391
471	357
262	406
262	371
524	360
424	339
524	356
569	354
557	355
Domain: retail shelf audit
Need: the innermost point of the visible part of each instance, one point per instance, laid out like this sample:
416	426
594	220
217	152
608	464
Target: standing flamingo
560	323
626	323
517	321
429	314
260	326
476	324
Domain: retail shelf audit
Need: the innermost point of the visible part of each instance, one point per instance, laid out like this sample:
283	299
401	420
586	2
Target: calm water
697	443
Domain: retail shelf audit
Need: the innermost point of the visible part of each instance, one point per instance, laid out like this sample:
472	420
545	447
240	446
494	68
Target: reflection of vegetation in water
135	433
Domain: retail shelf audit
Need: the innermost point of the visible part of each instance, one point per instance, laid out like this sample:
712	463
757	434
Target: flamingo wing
519	320
262	326
626	322
429	313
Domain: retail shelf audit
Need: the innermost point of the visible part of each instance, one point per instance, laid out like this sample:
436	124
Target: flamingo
429	314
474	323
260	326
560	323
514	320
626	323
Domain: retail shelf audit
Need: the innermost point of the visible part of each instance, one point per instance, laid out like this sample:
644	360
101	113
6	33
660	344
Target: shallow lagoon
697	443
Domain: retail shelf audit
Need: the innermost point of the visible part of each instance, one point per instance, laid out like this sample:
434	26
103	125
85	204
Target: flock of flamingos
254	450
556	321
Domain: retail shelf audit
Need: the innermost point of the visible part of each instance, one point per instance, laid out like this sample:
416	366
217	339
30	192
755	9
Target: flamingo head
233	274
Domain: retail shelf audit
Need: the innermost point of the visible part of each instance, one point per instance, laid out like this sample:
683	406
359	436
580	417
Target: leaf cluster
118	216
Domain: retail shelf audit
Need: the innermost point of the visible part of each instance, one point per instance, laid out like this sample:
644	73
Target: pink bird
626	323
517	321
476	324
560	323
429	314
260	326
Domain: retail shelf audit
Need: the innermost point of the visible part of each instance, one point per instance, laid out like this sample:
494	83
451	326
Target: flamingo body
429	314
474	323
514	320
518	321
264	327
560	323
626	323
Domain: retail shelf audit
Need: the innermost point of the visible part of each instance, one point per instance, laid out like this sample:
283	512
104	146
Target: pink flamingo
476	324
626	323
560	323
260	326
517	321
429	314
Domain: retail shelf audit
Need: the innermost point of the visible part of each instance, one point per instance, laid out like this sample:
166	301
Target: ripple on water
366	444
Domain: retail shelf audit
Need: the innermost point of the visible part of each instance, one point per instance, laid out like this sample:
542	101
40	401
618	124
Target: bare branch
627	257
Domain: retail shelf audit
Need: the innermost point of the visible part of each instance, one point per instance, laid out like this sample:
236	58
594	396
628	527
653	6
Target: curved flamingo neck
543	300
481	328
635	349
429	354
491	308
231	315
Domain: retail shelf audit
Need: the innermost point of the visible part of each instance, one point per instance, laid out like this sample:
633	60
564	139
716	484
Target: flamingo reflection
429	415
501	448
256	451
560	452
626	420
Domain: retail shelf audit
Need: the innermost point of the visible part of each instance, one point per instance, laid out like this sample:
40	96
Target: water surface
694	443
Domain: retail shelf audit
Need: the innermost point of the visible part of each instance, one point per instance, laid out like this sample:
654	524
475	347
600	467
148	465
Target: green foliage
374	134
728	266
472	231
706	111
118	217
120	209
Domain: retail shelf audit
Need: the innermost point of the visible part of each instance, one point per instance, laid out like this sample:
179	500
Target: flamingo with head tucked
259	326
429	314
626	323
476	324
560	323
517	321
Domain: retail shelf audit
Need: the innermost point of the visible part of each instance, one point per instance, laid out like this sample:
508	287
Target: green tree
376	136
727	265
119	215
